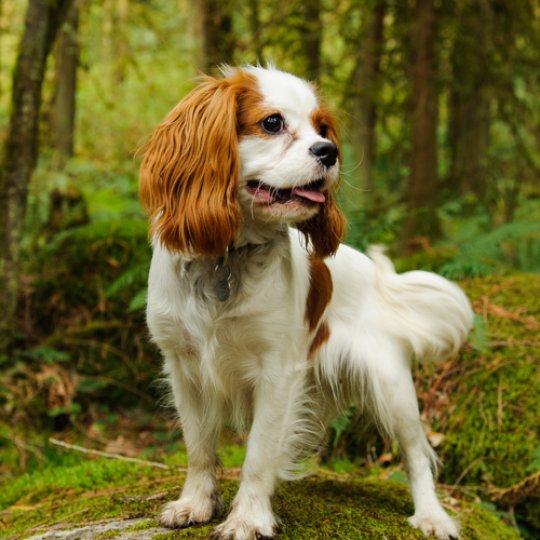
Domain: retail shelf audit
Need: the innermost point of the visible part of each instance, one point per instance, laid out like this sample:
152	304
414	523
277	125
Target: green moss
317	507
353	510
492	429
143	525
475	520
29	488
62	495
490	400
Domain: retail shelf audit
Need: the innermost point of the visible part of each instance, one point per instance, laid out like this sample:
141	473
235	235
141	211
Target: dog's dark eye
273	124
323	131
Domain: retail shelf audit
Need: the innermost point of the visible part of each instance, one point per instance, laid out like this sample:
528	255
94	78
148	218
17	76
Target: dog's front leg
277	409
201	424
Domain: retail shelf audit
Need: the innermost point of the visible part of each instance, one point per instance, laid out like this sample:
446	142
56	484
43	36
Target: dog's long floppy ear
325	230
189	174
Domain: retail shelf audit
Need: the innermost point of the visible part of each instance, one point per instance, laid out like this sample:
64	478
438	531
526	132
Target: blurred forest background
439	107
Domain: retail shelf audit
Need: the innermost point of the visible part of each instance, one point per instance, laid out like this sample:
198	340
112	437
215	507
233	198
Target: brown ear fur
189	175
326	229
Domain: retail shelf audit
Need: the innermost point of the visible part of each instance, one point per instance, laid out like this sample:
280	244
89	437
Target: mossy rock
126	499
491	429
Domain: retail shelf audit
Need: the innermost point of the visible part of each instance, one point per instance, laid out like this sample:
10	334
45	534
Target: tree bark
214	21
422	186
1	49
470	100
67	61
364	86
255	29
120	16
43	19
311	38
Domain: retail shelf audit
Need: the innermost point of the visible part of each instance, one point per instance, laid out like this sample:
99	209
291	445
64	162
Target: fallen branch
109	455
528	487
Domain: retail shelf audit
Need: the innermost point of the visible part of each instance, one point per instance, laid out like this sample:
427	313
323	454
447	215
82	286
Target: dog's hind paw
234	528
437	523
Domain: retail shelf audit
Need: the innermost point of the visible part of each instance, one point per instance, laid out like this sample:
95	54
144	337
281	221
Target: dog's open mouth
308	193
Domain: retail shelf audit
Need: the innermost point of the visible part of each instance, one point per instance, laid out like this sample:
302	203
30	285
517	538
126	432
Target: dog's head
255	147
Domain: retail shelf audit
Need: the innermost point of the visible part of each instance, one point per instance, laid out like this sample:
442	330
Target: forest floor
125	499
481	405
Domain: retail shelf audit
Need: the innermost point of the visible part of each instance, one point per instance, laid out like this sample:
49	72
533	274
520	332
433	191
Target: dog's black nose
326	152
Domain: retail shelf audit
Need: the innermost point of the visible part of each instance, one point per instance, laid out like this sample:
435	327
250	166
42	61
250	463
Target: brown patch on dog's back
319	296
321	337
320	292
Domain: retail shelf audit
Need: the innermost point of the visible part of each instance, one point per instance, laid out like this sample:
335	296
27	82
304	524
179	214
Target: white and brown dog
273	328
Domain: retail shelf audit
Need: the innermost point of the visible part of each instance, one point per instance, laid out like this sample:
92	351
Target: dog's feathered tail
426	311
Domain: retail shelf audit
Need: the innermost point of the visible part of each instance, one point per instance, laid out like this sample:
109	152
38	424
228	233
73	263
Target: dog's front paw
247	527
437	523
188	511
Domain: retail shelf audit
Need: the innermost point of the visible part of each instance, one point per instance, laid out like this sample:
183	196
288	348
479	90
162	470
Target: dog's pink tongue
314	196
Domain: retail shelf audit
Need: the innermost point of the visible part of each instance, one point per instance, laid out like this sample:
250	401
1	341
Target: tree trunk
311	38
67	60
1	49
469	120
214	25
255	29
422	186
364	86
43	19
120	42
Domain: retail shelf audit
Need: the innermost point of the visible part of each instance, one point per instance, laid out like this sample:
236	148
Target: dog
264	319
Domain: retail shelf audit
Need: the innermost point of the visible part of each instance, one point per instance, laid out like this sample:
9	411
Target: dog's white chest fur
224	344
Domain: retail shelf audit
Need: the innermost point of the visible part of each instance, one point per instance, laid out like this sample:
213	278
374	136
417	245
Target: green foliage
46	354
340	425
84	300
129	281
510	246
478	337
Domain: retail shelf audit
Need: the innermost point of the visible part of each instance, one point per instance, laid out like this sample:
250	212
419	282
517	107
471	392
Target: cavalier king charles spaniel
263	317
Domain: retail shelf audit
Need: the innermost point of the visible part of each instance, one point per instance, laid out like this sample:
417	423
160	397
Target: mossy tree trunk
43	19
63	112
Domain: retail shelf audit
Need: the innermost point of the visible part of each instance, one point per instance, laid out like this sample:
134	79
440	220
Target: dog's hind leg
393	401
